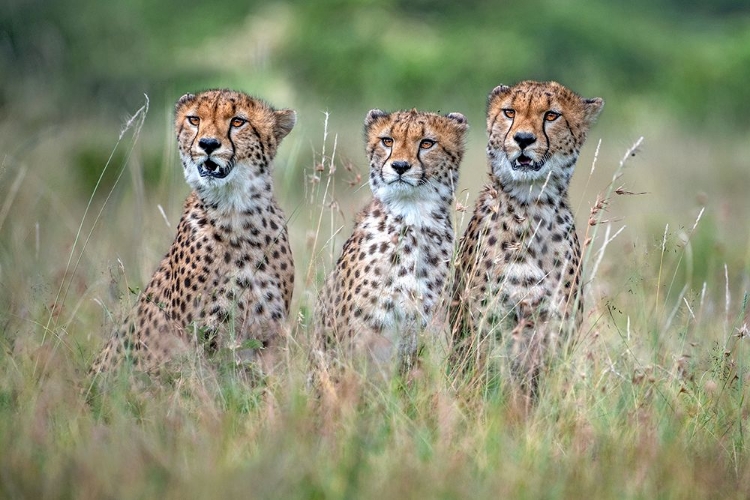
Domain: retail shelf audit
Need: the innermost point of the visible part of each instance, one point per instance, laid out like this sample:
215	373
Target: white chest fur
412	266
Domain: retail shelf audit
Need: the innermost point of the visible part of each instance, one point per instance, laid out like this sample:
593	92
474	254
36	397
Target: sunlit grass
649	403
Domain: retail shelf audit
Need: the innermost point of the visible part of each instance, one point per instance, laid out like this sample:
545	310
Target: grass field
650	403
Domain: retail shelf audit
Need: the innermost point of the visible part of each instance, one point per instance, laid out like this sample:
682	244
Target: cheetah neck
423	209
527	212
547	191
416	214
245	192
420	206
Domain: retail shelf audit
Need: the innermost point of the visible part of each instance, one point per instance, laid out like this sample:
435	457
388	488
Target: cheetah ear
592	108
500	89
186	98
373	116
497	91
285	121
458	119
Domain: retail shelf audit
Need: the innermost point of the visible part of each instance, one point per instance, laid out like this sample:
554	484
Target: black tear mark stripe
234	148
505	136
382	165
192	141
388	157
422	136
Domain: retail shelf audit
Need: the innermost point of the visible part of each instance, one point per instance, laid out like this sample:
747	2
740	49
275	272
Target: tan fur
518	274
388	285
229	275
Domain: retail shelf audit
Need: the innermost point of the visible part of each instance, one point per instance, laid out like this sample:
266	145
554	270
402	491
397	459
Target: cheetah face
414	156
536	130
227	137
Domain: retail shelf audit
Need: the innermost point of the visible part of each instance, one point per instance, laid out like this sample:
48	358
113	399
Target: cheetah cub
227	279
518	273
388	284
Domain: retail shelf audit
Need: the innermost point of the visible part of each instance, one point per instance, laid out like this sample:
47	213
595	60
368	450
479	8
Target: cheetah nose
209	144
400	167
524	139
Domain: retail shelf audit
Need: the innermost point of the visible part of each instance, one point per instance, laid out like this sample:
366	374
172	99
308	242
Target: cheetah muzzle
210	168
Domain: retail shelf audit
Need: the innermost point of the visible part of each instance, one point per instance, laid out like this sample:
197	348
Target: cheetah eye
194	120
551	116
426	143
509	113
387	141
237	122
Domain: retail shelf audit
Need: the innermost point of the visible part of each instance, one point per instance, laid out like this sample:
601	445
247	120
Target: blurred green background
684	57
73	71
685	63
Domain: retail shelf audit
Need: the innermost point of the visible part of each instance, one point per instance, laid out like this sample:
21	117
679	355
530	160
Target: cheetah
227	280
389	284
518	272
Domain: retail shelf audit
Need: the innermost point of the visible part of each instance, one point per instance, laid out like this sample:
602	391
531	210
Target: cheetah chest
403	271
226	277
526	259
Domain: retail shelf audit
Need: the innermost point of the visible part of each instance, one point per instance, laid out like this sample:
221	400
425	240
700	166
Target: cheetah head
227	139
414	155
536	130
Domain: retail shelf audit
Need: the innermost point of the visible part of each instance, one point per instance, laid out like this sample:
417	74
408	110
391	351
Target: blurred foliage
689	58
90	161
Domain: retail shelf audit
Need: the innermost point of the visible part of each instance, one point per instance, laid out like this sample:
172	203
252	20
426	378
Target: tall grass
649	404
